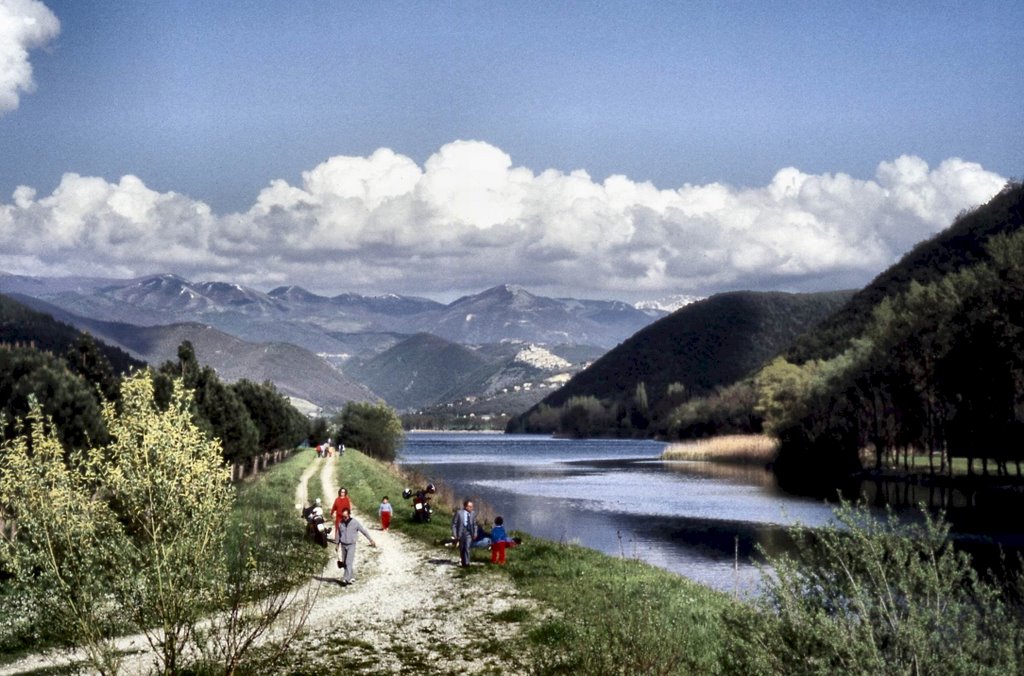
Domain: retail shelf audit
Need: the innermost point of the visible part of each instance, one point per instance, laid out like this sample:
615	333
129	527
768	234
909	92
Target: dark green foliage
696	350
85	358
939	369
881	597
20	325
730	410
223	411
374	429
65	397
961	245
278	423
227	416
318	431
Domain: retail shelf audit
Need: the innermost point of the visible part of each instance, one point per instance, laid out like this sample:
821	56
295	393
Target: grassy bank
749	449
594	613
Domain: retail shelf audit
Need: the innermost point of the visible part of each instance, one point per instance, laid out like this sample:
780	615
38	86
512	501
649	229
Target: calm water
616	496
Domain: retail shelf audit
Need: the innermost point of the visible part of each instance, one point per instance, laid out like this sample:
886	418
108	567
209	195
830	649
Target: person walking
464	530
348	530
341	503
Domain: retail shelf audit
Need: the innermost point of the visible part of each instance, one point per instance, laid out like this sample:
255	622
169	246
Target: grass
753	449
598	614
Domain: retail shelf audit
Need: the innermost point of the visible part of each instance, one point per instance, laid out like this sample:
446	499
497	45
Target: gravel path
409	605
410	608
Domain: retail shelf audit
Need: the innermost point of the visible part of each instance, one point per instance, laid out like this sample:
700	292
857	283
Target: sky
588	149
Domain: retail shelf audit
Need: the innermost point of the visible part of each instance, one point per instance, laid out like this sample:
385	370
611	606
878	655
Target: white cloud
468	218
24	25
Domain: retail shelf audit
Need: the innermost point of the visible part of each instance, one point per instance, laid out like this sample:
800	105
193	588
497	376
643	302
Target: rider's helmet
317	502
431	488
407	493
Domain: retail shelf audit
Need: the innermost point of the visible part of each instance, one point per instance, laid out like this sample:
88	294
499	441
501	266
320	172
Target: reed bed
747	449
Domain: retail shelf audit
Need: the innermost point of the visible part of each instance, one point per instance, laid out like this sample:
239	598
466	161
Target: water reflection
701	520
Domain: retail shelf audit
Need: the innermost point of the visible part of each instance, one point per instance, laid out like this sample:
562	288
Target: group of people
468	534
465	532
327	449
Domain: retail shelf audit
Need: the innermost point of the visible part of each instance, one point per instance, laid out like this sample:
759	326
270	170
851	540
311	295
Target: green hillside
20	325
957	247
418	371
703	346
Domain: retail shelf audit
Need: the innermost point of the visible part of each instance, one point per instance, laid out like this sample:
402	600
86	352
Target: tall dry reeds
749	449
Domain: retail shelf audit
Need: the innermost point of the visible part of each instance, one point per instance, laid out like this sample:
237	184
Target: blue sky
769	145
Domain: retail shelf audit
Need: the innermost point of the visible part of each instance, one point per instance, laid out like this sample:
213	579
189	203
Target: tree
136	535
216	407
375	429
62	395
83	357
278	423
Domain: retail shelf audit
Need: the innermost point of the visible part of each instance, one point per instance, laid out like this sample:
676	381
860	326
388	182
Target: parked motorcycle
421	509
316	528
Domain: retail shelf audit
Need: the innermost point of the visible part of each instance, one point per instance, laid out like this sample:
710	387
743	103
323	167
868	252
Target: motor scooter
316	528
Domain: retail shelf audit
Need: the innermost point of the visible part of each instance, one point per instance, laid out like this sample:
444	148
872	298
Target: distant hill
418	371
426	370
295	371
706	344
20	324
960	245
509	312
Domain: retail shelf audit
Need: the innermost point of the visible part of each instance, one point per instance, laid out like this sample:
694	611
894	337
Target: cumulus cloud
24	25
469	218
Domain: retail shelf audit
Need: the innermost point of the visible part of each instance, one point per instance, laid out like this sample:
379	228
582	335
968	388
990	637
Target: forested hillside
21	325
961	245
934	373
71	376
690	353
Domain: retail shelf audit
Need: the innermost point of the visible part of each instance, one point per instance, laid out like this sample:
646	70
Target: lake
616	496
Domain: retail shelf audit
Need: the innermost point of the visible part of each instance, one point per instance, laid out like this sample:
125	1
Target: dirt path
409	605
411	608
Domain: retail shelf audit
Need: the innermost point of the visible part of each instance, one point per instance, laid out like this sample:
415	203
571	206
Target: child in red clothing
385	513
499	541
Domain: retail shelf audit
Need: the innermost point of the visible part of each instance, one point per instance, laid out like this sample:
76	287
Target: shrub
883	597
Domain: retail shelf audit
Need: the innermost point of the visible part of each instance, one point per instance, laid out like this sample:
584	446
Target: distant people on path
341	503
348	530
464	530
385	513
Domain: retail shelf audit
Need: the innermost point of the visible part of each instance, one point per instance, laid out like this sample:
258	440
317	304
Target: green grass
598	614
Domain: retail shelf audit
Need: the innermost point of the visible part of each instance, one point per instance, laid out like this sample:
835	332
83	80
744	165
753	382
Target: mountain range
324	324
410	351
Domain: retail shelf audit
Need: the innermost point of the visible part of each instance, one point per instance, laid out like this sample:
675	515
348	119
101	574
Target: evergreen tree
374	429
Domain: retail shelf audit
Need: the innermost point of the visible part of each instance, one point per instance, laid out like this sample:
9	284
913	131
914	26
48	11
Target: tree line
937	374
249	418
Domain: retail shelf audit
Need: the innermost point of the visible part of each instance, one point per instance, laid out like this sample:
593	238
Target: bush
882	597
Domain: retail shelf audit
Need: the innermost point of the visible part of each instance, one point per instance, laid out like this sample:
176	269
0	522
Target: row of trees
248	418
939	371
375	429
674	414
